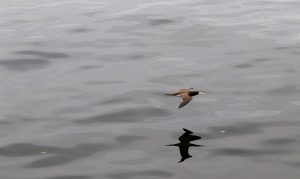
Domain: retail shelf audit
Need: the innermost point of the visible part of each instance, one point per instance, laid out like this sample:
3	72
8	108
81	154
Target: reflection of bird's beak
201	92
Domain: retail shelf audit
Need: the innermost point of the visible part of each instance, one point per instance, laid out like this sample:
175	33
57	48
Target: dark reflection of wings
187	137
187	131
184	152
185	144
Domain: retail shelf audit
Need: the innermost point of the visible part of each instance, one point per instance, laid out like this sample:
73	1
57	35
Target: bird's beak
201	92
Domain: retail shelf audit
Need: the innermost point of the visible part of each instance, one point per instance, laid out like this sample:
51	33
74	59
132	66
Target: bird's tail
172	94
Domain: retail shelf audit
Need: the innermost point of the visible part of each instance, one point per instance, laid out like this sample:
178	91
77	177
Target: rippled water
82	84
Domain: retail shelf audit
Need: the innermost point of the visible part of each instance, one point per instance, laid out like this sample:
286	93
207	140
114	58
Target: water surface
82	83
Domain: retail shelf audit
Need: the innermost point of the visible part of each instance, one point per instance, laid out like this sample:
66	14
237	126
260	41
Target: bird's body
186	95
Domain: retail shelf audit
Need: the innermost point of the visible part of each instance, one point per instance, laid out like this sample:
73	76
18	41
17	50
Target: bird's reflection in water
185	144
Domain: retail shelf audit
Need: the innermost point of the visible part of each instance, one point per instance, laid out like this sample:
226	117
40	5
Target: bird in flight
185	144
186	95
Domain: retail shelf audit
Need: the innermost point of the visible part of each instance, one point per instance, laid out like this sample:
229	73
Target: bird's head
201	93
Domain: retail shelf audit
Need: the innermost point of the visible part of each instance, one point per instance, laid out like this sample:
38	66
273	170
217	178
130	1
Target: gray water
82	84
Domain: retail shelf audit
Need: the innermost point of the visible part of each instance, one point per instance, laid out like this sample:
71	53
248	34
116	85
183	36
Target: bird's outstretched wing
185	99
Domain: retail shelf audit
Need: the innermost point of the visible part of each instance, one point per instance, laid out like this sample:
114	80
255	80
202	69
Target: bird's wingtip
180	161
187	131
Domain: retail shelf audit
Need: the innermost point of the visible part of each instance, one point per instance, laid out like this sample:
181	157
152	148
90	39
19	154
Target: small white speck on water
43	152
223	131
157	106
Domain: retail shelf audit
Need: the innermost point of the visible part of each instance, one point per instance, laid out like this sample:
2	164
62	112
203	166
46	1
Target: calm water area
82	86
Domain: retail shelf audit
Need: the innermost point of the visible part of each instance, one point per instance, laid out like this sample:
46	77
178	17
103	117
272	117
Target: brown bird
185	95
